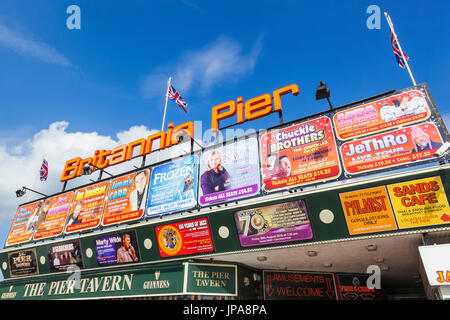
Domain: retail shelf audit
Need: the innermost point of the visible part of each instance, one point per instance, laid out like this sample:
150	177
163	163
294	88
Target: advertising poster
390	149
117	248
420	203
354	287
368	210
285	285
279	223
436	263
186	237
63	256
87	207
53	215
127	198
25	223
23	263
173	186
304	153
397	110
230	172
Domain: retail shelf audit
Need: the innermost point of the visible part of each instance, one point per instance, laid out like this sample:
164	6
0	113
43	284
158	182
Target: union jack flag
397	53
173	94
44	170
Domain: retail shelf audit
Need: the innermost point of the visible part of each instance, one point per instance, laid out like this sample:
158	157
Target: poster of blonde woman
229	172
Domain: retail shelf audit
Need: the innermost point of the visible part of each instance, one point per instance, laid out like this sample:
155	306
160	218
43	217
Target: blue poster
173	186
229	172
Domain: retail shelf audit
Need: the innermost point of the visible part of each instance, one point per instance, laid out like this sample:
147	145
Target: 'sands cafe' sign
253	109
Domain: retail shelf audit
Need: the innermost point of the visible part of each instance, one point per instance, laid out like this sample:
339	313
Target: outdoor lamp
87	169
21	192
323	92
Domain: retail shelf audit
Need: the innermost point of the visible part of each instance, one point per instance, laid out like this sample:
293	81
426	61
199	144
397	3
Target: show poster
368	210
117	248
304	153
420	203
87	207
23	263
25	223
53	215
229	172
391	149
401	109
173	186
279	223
127	198
62	257
183	238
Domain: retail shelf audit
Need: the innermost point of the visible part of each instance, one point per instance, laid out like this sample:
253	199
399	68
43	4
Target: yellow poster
368	210
419	203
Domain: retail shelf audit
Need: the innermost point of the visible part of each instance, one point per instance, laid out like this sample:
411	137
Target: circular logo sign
169	240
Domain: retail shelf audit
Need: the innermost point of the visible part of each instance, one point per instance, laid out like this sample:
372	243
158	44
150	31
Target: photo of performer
284	169
74	217
43	212
34	218
422	140
215	178
137	196
272	164
126	252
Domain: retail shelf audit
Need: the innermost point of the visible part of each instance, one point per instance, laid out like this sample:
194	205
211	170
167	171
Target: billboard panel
87	207
53	215
420	203
229	172
391	149
186	237
284	222
402	108
173	186
63	256
127	198
300	154
117	248
24	224
368	210
23	263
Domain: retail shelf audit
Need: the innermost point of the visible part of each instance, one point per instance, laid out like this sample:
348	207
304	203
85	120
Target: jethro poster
127	198
25	223
304	153
279	223
229	172
186	237
53	215
173	186
400	109
391	149
87	207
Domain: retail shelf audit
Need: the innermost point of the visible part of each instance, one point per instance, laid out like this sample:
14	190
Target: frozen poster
173	186
229	173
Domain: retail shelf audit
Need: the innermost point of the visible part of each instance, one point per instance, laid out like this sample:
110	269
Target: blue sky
73	90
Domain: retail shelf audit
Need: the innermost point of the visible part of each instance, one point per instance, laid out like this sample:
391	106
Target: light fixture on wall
21	192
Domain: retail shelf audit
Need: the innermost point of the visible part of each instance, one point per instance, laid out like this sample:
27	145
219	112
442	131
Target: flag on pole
174	95
44	170
397	53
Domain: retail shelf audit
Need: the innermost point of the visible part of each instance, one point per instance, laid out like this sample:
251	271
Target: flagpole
165	107
391	26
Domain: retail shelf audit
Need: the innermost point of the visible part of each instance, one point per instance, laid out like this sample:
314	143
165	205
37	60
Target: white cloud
216	63
25	45
20	164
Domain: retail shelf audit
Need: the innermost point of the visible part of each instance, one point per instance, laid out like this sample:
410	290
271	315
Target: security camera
442	150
